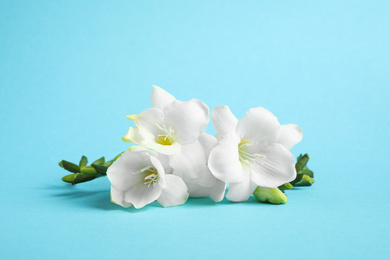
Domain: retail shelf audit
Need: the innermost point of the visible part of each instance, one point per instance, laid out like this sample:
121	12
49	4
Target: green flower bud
270	195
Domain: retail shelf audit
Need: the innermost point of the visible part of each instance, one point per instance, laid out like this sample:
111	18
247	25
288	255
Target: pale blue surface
70	72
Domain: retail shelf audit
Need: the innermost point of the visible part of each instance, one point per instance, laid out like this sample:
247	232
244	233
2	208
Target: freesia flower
206	184
172	127
141	176
252	152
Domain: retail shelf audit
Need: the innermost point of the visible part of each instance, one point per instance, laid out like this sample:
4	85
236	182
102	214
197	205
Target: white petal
241	191
160	98
224	121
149	120
141	195
191	160
289	135
188	119
218	191
120	173
276	169
175	193
197	191
259	125
224	162
208	142
206	179
118	197
133	136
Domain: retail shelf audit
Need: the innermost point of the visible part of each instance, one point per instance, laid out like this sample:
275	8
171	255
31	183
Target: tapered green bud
307	172
99	161
286	186
83	161
69	178
270	195
301	163
89	170
108	163
69	166
101	169
306	181
116	157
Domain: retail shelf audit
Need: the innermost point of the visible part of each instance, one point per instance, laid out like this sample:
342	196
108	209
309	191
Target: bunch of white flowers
176	159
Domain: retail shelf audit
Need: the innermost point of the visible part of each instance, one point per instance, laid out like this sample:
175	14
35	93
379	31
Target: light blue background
71	71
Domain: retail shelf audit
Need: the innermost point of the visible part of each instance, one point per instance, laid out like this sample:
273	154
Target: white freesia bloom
253	151
206	184
141	176
172	127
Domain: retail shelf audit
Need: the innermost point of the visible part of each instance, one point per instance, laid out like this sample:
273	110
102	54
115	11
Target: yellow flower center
167	137
150	176
247	158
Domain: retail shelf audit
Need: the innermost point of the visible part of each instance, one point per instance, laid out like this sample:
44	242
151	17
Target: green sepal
89	170
306	181
69	166
83	161
101	169
286	186
99	161
301	162
307	172
270	195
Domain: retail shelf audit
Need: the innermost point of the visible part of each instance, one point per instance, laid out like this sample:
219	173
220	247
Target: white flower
206	184
172	127
140	177
252	152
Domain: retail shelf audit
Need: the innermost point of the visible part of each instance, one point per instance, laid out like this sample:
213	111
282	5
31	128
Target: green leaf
101	169
83	161
69	166
270	195
301	163
307	172
286	186
99	161
89	170
306	181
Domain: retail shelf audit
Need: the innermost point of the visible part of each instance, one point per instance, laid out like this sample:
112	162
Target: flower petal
224	162
188	119
160	98
277	168
289	135
140	195
206	179
243	190
190	161
175	192
259	125
224	121
208	142
118	197
132	136
120	173
149	120
218	191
